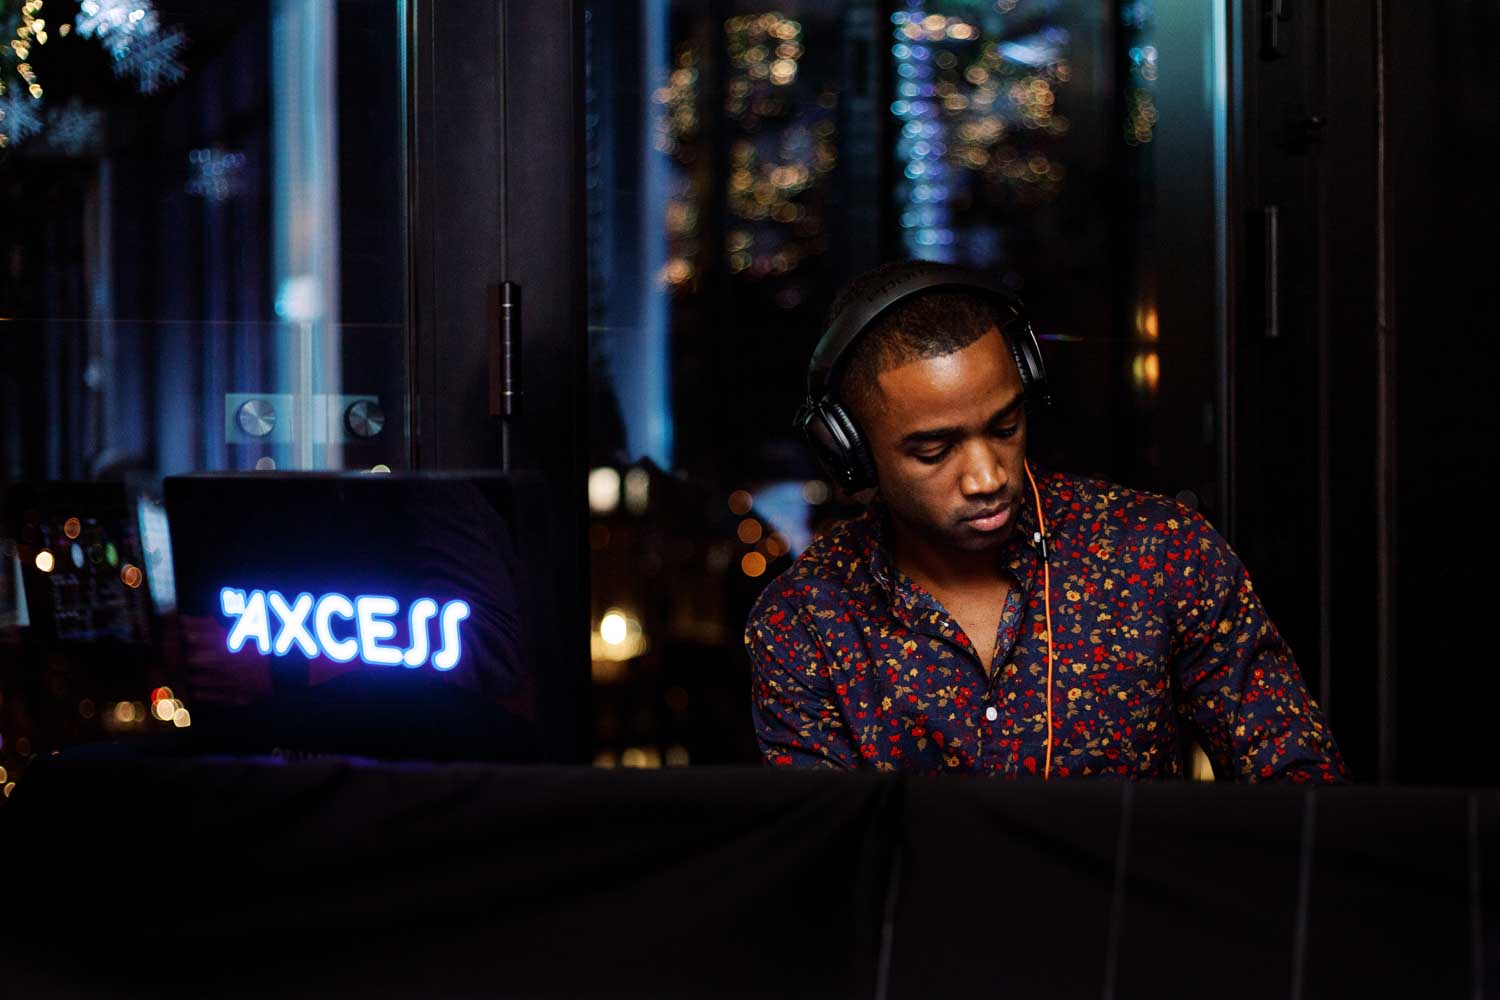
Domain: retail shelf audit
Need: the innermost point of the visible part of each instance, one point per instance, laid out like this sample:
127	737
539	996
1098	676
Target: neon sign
322	626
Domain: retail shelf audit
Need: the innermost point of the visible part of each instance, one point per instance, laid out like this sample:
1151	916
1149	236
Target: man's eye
1006	432
932	458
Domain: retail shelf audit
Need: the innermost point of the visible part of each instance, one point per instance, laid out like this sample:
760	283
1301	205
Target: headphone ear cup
857	460
1028	354
834	441
1022	363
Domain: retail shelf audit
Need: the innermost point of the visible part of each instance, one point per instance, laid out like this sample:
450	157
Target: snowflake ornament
115	23
73	129
19	117
153	60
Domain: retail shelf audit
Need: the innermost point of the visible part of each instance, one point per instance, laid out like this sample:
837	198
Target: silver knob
257	417
364	418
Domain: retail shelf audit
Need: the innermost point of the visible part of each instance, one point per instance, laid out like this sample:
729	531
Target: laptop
379	615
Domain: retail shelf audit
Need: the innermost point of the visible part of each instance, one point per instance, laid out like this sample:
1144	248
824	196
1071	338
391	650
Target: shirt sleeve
1242	694
797	722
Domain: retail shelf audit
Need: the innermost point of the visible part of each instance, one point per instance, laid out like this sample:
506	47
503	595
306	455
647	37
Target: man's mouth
991	519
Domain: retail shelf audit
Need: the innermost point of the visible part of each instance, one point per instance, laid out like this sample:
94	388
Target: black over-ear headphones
827	427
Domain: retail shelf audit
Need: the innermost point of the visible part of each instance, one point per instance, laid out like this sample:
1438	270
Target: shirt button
992	713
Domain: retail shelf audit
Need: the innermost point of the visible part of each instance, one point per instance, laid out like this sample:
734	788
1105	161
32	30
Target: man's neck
942	570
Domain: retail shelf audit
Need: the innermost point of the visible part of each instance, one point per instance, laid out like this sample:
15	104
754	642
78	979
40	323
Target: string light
775	173
1140	105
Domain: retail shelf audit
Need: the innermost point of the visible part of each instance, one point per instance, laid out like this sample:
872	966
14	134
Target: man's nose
983	472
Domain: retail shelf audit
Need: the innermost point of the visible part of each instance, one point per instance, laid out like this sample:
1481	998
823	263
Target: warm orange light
754	564
130	576
776	546
750	531
71	527
45	561
740	502
1145	370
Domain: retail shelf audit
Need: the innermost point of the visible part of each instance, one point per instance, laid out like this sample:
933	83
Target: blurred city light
637	490
604	490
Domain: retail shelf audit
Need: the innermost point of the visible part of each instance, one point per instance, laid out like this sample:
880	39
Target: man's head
938	398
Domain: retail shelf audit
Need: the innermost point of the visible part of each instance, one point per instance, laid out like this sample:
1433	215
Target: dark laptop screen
378	614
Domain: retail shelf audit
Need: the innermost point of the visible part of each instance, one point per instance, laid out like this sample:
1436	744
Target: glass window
204	240
746	160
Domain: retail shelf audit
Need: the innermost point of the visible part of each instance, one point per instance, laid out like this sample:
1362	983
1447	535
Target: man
980	603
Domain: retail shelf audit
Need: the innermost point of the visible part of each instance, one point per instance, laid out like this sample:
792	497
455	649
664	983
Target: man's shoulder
1082	498
1120	519
835	562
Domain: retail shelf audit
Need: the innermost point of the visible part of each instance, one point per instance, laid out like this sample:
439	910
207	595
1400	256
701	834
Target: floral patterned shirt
1158	635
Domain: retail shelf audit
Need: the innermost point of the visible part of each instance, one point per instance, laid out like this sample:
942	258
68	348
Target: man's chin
969	540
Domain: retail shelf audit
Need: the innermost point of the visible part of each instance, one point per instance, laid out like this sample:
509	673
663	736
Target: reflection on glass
204	262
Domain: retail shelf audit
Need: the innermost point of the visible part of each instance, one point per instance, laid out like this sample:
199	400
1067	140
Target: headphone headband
827	426
920	276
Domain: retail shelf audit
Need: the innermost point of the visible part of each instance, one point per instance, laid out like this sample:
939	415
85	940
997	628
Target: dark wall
1362	431
1442	84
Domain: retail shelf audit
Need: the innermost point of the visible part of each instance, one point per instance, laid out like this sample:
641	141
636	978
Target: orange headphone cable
1047	603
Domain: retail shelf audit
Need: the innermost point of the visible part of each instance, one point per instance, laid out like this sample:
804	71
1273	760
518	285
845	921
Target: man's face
948	435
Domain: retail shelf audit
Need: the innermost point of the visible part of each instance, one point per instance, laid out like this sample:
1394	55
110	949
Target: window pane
204	242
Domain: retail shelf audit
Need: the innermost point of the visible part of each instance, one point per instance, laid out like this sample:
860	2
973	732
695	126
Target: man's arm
797	722
1241	691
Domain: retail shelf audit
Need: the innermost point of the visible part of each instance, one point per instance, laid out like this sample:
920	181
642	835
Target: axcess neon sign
309	624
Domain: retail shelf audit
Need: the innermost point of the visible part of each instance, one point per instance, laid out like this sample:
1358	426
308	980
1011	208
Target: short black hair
928	324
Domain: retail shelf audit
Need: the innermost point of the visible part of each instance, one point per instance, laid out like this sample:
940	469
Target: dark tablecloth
254	876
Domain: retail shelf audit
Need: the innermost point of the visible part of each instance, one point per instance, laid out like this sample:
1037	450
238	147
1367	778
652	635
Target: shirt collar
1019	553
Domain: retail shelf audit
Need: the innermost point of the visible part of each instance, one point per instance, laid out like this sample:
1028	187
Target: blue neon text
343	628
